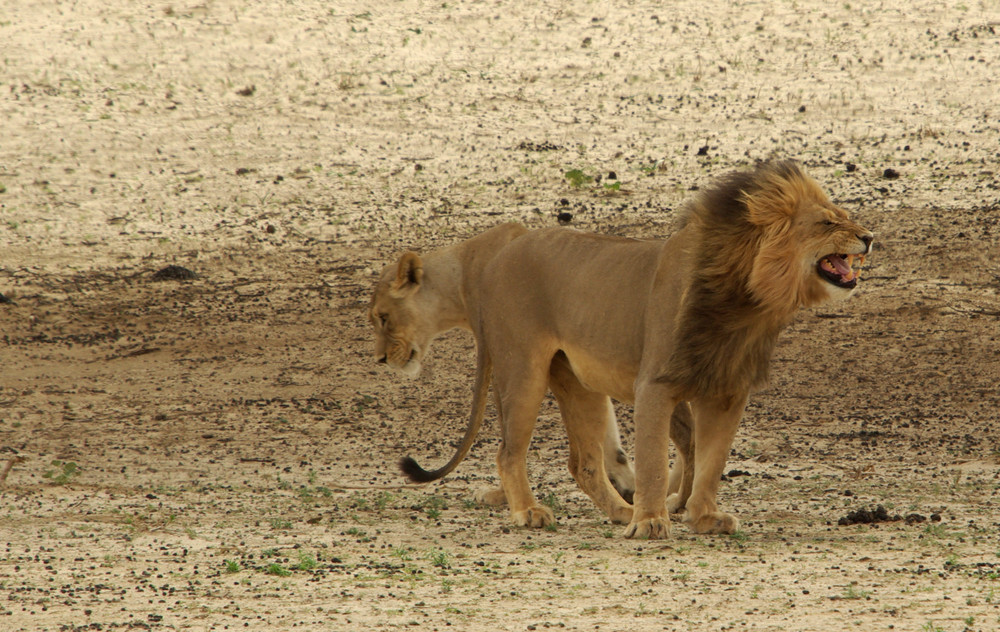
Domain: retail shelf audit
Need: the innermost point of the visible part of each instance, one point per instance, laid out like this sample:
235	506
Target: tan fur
418	298
690	321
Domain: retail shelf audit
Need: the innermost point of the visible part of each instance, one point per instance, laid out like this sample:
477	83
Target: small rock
174	273
890	174
564	217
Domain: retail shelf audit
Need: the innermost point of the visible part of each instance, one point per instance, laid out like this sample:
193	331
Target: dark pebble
174	273
564	217
890	174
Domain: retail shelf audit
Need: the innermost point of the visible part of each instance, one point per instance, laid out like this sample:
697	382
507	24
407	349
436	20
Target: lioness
690	320
418	298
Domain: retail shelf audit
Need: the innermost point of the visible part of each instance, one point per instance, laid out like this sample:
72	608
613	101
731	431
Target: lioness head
795	248
401	333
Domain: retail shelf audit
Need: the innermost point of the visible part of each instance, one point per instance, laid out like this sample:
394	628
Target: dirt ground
219	452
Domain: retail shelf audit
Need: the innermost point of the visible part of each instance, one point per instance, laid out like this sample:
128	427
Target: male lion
418	298
690	320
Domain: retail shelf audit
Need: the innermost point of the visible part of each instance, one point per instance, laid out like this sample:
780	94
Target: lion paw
490	496
649	529
714	522
675	504
535	516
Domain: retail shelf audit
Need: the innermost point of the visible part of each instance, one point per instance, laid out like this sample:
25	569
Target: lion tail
484	370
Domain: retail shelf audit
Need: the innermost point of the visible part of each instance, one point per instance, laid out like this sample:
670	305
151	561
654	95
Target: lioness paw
490	496
715	522
649	529
621	515
675	504
535	517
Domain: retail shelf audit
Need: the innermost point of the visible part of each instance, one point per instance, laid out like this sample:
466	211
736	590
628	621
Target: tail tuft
416	473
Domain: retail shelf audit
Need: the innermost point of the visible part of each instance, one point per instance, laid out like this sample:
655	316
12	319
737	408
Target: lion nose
382	360
866	239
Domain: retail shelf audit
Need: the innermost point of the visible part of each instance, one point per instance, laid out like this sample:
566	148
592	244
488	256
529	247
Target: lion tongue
841	267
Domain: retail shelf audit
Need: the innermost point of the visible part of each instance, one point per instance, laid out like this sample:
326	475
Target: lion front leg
654	406
715	425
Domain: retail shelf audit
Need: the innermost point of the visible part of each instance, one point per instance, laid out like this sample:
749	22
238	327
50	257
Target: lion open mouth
840	269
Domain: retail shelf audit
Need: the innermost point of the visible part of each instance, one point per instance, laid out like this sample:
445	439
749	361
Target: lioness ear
409	272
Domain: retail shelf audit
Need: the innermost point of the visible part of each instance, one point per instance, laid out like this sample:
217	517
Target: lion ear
409	273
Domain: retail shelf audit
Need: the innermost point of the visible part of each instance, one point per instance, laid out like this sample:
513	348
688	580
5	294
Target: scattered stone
914	518
564	217
542	146
174	273
247	91
733	473
850	167
612	175
4	300
702	151
890	174
868	516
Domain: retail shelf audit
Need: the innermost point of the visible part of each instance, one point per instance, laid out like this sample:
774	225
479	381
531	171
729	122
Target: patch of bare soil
217	450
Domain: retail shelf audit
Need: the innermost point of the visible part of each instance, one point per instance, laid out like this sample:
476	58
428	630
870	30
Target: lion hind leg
715	425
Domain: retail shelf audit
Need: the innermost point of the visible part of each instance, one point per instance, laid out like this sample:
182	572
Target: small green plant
62	472
552	527
382	500
851	592
433	506
552	501
930	627
269	553
613	186
276	569
232	566
281	524
402	554
578	178
440	559
306	562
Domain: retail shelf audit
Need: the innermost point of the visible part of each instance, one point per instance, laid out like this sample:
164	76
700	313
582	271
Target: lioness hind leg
586	415
490	496
616	462
715	424
520	394
682	473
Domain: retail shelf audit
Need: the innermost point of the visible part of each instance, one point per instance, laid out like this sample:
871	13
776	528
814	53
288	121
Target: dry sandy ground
225	446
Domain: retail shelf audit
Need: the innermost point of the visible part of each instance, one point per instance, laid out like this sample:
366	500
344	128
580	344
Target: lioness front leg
654	407
715	425
520	396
